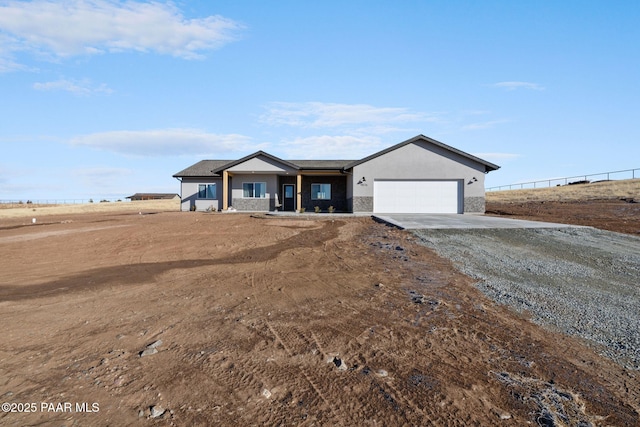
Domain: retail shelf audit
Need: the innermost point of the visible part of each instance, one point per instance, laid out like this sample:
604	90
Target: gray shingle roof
321	164
203	168
206	167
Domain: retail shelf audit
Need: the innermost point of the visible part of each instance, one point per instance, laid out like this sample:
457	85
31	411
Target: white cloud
330	115
518	85
77	87
352	130
84	27
165	142
329	147
348	131
7	63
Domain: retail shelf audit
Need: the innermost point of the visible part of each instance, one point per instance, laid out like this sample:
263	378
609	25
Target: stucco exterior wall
189	194
261	164
419	160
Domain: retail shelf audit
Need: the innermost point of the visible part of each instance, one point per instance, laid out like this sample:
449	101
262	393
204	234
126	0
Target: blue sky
101	99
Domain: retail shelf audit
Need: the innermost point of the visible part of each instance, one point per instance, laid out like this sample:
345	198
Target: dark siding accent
338	193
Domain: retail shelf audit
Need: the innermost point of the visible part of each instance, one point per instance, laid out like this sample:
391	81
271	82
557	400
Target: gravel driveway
582	281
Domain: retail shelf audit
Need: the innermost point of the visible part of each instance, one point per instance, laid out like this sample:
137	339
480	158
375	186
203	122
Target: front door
289	199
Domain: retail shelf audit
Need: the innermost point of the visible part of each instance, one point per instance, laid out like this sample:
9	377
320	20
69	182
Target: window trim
206	187
254	190
313	194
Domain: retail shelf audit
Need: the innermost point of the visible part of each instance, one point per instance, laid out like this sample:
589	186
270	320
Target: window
207	191
288	191
320	191
254	190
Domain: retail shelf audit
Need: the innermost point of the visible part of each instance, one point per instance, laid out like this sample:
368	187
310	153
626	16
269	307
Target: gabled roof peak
488	165
254	155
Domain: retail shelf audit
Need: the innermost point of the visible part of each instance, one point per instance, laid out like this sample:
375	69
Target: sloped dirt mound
620	215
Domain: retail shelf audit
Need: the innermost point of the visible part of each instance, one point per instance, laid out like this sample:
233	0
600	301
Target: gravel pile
581	281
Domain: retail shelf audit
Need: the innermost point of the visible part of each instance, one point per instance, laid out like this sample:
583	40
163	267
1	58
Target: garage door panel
416	197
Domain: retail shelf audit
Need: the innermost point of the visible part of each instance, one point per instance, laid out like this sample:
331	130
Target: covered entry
417	196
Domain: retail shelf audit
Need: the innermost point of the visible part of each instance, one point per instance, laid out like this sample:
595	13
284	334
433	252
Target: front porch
302	192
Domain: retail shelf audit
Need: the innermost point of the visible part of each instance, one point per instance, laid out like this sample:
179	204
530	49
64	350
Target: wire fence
556	182
27	202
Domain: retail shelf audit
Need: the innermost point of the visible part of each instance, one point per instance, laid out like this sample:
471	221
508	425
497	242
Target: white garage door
416	197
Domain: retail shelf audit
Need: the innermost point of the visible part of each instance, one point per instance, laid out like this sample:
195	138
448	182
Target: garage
417	196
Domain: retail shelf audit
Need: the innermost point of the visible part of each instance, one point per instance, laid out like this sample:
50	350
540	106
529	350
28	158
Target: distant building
154	196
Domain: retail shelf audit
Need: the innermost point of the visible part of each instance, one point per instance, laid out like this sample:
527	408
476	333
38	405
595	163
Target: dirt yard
186	319
613	215
609	205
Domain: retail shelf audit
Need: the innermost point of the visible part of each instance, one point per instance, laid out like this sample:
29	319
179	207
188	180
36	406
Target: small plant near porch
331	209
317	209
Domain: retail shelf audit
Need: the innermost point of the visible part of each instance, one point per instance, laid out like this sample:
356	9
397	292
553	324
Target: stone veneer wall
258	205
474	204
363	204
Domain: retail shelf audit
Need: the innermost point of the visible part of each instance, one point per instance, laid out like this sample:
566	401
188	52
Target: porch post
225	190
299	191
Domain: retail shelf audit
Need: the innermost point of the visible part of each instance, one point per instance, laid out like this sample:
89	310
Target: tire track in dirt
53	233
306	375
356	377
409	406
295	345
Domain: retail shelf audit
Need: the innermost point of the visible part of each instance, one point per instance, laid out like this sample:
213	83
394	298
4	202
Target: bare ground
274	322
613	215
608	205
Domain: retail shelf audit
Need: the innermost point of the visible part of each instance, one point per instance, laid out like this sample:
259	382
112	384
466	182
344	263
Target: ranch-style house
420	175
